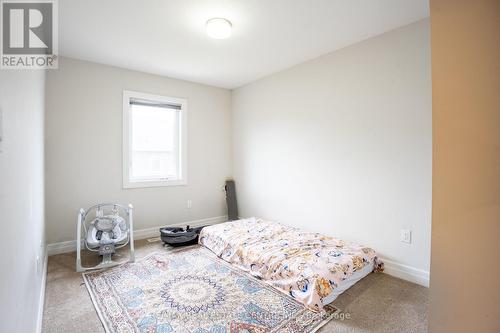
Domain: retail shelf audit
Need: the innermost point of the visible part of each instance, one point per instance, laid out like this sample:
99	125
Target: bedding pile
308	266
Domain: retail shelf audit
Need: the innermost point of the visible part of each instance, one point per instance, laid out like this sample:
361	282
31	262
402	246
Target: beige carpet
378	303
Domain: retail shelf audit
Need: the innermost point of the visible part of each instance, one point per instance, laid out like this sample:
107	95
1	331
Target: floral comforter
308	266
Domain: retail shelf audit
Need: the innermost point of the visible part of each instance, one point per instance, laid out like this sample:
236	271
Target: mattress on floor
311	267
349	282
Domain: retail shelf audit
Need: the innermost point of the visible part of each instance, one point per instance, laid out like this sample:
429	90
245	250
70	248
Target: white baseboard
405	272
41	300
408	273
155	231
62	247
70	246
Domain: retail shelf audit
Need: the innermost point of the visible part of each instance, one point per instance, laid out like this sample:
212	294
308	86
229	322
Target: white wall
342	144
21	199
84	147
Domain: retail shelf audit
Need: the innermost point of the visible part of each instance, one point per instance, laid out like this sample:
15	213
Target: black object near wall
232	205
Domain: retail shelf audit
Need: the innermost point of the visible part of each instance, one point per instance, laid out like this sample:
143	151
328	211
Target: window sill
146	184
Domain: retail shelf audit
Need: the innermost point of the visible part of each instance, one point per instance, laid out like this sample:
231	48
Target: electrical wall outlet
406	236
38	259
38	266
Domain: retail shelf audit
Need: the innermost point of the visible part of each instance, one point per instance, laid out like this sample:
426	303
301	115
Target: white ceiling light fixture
219	28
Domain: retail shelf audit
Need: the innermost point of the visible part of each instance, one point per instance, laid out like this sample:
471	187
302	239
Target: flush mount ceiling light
219	28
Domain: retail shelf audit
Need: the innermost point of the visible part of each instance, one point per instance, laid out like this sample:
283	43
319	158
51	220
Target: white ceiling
167	37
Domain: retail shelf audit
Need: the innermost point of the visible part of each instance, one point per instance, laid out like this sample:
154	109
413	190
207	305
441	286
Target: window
154	140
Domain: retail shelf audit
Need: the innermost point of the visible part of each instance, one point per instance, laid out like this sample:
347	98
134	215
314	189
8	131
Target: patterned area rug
192	290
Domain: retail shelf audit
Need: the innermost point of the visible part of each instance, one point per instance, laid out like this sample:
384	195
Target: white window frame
127	139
